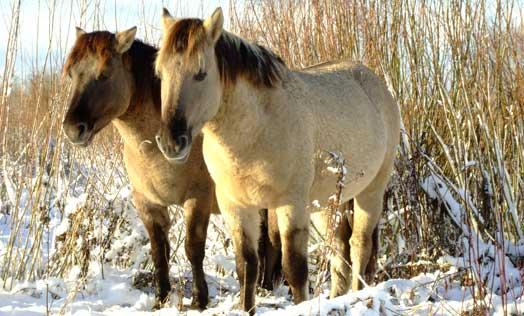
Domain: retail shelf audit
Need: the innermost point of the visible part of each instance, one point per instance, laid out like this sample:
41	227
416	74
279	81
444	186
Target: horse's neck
242	116
139	123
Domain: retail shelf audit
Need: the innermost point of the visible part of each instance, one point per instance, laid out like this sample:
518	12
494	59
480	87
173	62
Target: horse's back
348	100
352	85
331	65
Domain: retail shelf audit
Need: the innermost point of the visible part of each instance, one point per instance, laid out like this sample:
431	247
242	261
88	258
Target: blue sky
36	20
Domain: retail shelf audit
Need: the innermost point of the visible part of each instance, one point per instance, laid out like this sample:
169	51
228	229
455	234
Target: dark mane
140	57
235	56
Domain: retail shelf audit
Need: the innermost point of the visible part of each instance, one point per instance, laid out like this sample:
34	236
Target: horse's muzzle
175	148
79	133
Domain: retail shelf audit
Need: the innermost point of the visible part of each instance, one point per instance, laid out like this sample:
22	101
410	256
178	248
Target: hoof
267	285
161	299
240	306
200	296
199	303
159	304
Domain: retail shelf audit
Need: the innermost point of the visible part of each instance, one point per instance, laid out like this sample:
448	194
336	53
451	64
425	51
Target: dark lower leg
157	223
160	253
294	262
269	251
247	270
273	269
371	267
197	221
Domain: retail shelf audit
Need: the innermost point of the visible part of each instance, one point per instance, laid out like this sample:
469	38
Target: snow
111	285
494	267
115	295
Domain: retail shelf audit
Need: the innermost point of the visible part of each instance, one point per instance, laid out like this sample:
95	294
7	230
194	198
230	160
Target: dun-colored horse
264	129
114	81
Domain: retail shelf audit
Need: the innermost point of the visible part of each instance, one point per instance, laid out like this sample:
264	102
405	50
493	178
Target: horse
266	130
113	80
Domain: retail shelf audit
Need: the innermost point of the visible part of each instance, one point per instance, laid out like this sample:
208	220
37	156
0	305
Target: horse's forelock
99	43
184	36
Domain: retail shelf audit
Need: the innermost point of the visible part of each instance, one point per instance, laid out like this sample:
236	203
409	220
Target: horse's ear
167	19
125	39
213	24
79	32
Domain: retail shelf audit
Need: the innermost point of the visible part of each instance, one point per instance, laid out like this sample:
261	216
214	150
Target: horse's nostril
82	129
182	141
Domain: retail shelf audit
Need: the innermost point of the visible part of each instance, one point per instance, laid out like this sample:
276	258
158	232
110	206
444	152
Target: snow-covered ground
427	294
117	279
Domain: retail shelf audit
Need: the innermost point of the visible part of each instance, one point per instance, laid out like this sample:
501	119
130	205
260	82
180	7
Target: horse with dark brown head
113	81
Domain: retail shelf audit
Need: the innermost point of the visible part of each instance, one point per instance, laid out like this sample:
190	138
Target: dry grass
455	69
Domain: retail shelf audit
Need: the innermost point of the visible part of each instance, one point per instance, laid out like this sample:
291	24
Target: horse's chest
155	178
245	184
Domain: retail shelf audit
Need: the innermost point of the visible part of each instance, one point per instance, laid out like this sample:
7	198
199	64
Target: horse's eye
200	76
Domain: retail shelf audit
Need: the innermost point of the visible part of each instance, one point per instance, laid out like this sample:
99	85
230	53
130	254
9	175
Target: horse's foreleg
197	210
244	225
293	223
156	220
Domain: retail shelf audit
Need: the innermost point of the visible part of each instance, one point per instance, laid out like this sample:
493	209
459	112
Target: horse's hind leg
367	213
269	250
156	220
293	223
340	261
197	210
263	242
371	267
364	239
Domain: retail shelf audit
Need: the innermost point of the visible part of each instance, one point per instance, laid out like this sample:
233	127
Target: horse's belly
326	188
360	171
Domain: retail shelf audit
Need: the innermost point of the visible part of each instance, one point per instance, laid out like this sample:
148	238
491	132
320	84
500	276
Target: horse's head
191	86
102	82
